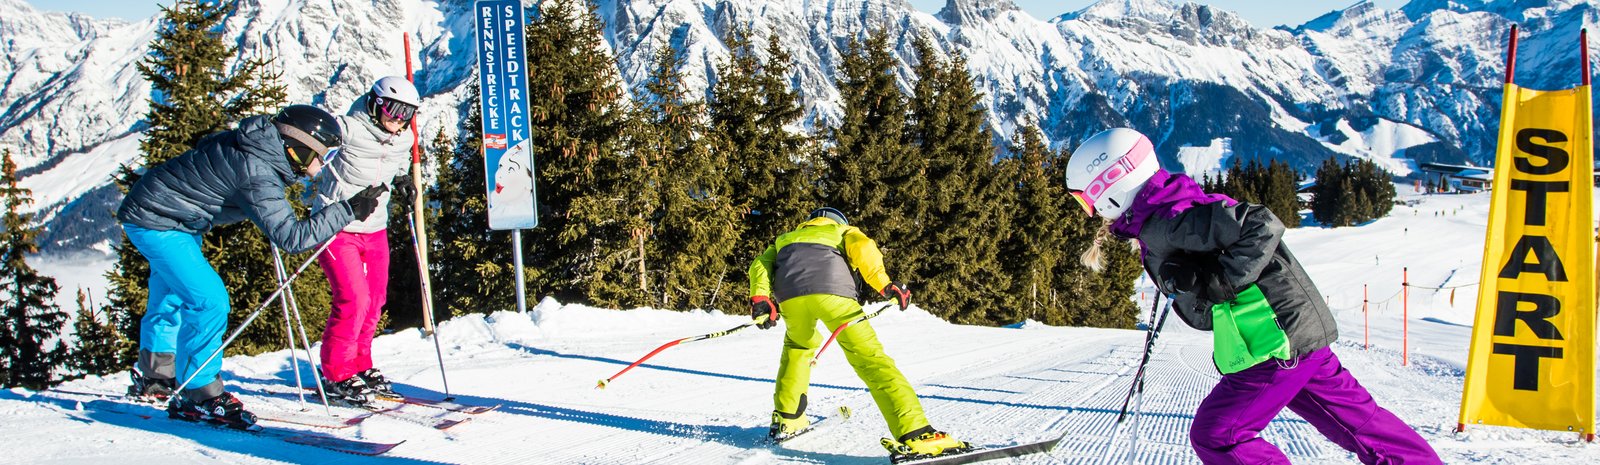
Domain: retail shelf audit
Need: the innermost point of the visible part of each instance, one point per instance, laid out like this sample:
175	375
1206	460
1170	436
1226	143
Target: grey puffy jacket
369	157
229	177
1246	238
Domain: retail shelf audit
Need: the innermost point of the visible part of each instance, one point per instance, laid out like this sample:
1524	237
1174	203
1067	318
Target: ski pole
758	320
841	328
427	309
253	314
1149	346
419	233
316	371
288	334
1138	376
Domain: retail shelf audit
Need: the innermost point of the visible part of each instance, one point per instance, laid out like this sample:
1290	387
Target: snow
1211	159
79	172
708	402
69	83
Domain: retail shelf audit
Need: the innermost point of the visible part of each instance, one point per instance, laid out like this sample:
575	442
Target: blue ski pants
188	308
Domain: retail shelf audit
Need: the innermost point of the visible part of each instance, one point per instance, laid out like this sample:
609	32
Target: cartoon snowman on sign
513	183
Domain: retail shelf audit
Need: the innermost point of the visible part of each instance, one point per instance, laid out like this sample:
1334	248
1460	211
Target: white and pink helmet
1106	172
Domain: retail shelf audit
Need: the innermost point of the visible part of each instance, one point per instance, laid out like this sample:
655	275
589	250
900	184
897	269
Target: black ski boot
224	410
379	385
352	392
149	389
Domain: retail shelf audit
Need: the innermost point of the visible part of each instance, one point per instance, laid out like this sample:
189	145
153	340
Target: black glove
366	201
898	292
761	306
404	192
1199	276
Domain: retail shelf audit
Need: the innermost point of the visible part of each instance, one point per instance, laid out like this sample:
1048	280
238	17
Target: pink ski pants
357	266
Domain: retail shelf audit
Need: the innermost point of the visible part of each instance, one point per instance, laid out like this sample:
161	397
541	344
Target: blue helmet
831	213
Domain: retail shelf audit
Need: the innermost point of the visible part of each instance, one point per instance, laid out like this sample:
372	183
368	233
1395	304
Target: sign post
503	98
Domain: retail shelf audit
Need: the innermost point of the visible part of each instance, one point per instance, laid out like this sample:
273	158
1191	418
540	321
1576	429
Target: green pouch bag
1245	332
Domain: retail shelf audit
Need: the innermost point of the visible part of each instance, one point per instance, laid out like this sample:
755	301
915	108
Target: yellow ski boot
784	428
923	443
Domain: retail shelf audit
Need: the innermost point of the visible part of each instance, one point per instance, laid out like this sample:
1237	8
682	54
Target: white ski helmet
393	96
1106	172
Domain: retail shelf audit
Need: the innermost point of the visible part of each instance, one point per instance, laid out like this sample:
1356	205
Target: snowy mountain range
1421	83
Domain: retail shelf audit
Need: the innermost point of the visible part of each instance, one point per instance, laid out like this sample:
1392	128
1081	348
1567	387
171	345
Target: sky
1262	13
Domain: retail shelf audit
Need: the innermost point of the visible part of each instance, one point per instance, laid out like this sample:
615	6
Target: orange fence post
1405	316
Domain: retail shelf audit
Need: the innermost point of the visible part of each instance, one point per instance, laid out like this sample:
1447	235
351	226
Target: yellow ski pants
889	388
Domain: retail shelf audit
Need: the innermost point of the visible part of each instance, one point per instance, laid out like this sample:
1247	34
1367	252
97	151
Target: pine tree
751	105
1280	193
586	233
1351	193
1035	244
954	195
870	165
1273	186
403	307
195	93
98	347
1377	186
696	224
1327	197
27	302
472	265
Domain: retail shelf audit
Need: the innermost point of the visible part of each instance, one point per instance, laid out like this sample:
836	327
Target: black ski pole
1138	374
1149	346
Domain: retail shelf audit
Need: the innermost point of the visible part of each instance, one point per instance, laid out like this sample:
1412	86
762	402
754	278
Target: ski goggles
1083	201
300	155
396	110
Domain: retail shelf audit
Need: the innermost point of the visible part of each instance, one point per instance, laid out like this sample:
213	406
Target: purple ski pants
357	266
1318	389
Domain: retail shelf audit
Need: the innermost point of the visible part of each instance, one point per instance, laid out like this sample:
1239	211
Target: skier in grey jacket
228	177
376	150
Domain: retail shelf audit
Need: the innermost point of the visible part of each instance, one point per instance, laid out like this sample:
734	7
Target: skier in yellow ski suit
810	273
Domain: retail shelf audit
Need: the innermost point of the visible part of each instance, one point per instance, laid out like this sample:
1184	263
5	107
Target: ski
443	421
310	419
439	404
432	403
270	414
983	453
324	441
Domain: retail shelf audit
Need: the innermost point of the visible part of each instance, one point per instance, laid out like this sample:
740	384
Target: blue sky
1262	13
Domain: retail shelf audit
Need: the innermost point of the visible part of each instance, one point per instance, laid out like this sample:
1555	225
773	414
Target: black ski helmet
307	132
831	213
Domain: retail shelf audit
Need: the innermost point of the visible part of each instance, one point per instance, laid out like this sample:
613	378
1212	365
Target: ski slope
708	402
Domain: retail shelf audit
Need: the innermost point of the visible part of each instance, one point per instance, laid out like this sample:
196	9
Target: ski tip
600	385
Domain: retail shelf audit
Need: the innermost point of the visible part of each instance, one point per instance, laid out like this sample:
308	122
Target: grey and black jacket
1244	245
229	177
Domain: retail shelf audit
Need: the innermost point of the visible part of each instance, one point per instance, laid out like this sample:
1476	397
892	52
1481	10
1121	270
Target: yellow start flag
1532	362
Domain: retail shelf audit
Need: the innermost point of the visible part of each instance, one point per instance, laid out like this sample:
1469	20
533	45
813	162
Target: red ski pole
604	382
841	328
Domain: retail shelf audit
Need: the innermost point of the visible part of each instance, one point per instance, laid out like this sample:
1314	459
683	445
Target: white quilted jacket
369	157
